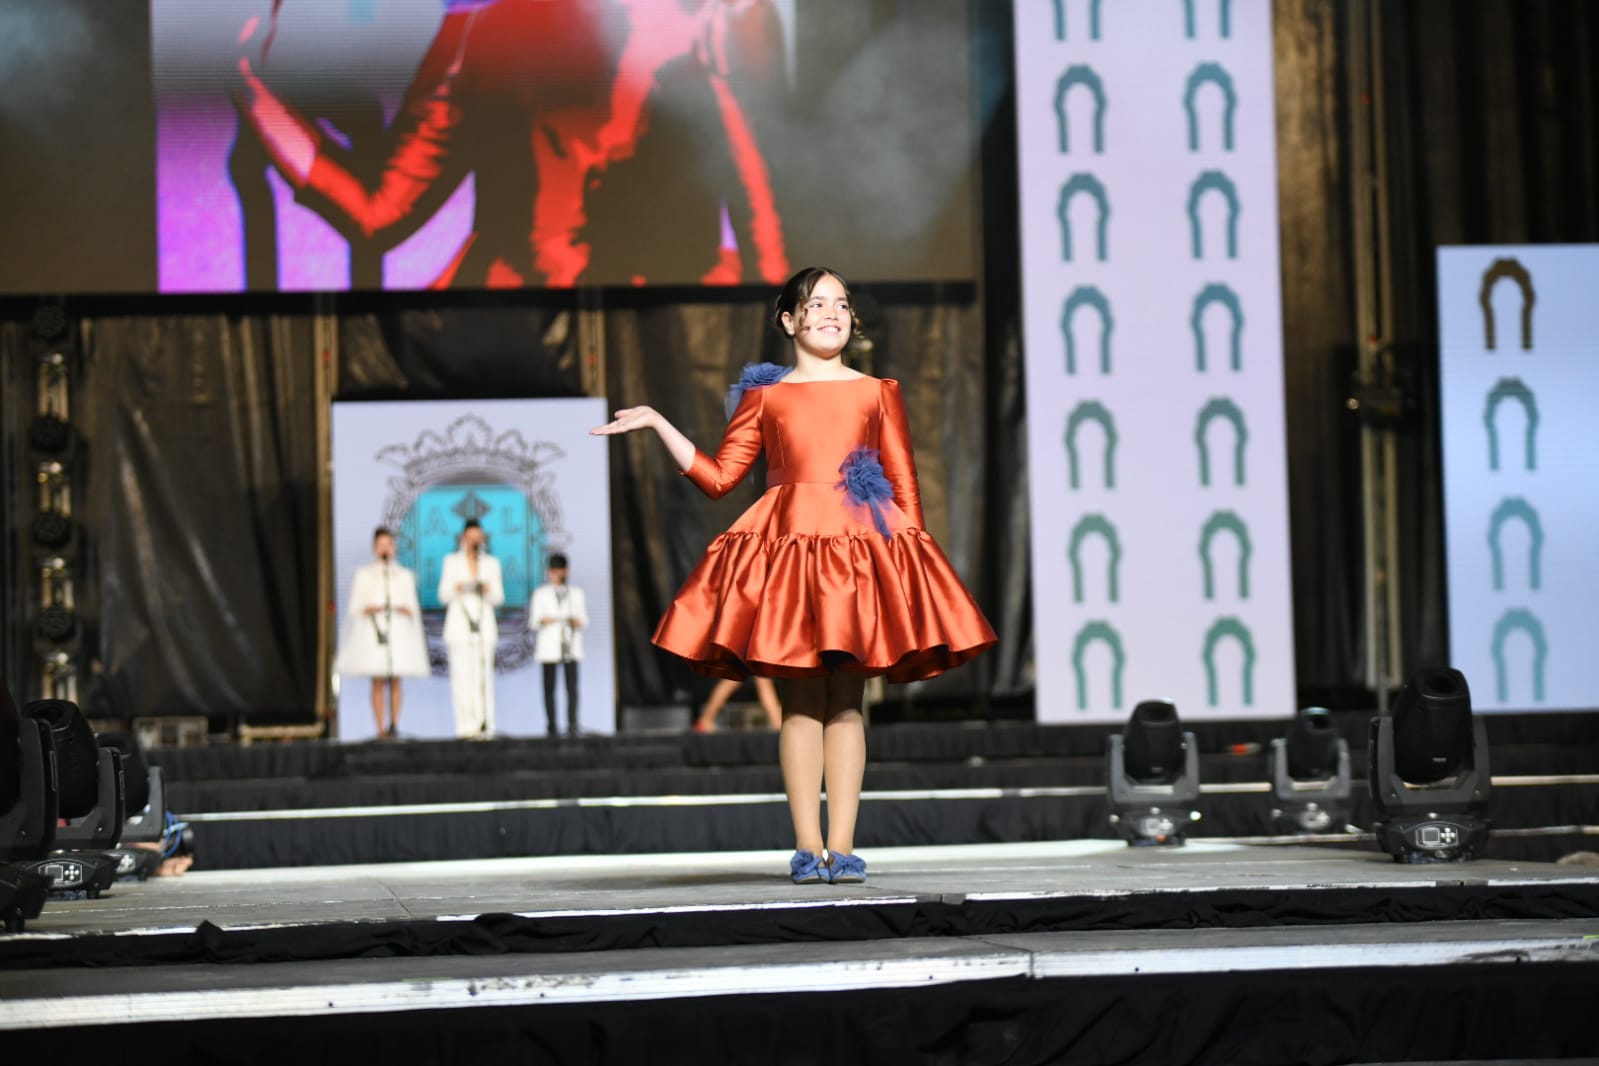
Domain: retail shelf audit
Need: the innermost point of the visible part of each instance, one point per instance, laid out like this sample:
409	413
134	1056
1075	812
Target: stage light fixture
77	755
55	625
1152	776
52	531
1428	767
1310	778
55	488
30	791
22	896
58	631
92	797
147	821
58	675
49	321
49	435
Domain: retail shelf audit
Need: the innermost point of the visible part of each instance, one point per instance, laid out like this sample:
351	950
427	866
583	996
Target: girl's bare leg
844	755
799	747
706	723
766	692
394	705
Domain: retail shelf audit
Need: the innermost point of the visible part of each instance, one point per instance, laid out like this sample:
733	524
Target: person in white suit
559	613
383	636
471	587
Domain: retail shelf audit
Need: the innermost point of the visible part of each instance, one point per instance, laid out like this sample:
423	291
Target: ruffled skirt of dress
772	600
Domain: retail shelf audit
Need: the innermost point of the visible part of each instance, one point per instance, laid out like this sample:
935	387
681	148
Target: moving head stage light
1153	777
1429	772
28	812
1310	780
92	803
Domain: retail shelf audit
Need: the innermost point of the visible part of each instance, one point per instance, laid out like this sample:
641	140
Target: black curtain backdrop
390	351
1319	353
201	502
199	416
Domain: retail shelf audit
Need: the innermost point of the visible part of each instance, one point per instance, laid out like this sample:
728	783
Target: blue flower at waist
755	375
865	483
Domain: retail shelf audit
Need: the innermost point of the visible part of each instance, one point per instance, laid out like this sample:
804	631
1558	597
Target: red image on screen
556	108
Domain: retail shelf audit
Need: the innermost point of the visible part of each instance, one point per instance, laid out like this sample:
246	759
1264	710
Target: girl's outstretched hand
630	418
627	420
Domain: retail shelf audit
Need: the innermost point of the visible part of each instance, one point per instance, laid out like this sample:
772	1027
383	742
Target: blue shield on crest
515	532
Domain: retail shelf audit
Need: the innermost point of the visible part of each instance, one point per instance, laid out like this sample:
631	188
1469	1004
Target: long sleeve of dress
898	457
422	167
736	454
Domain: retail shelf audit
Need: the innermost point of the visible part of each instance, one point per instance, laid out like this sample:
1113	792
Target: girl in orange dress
830	576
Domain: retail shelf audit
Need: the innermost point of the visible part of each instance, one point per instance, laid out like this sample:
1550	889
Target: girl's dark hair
381	531
798	289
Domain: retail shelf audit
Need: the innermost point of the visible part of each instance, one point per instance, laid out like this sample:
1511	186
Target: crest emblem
501	479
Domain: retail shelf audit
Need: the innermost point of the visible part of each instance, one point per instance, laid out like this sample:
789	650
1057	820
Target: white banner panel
538	483
1154	358
1519	385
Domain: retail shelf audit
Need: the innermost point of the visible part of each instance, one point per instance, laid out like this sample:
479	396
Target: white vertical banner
1153	337
538	484
1519	408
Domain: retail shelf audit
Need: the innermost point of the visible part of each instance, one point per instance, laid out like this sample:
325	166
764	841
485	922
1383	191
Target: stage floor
609	886
1058	937
75	998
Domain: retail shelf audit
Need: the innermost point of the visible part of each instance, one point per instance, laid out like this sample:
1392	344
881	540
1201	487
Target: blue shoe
806	868
847	870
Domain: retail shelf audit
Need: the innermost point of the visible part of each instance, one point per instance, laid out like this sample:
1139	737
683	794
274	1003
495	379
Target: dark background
197	416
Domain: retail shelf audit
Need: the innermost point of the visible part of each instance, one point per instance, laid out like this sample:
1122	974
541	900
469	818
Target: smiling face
821	322
383	546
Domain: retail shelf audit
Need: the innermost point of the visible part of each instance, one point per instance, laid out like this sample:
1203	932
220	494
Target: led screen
1518	390
509	143
200	146
1152	316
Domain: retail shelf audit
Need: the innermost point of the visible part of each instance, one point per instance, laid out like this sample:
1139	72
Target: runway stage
1071	951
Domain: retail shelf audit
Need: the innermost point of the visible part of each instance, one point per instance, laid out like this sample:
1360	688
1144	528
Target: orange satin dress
805	583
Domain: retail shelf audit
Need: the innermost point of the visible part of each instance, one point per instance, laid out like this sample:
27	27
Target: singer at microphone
559	613
471	587
382	634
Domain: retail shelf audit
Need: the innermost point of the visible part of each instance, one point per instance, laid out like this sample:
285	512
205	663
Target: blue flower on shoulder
755	376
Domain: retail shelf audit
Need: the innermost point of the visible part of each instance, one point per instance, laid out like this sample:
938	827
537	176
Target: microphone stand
562	601
388	621
477	645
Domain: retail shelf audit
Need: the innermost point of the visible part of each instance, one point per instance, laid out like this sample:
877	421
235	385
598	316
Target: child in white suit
558	612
